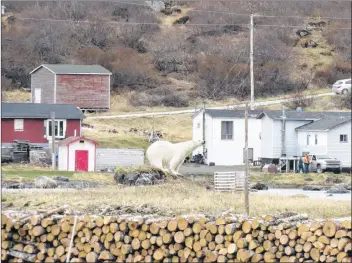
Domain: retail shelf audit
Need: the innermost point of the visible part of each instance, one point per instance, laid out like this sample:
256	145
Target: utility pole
251	61
53	156
203	127
246	197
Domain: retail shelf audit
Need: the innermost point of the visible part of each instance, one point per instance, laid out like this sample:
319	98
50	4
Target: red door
81	161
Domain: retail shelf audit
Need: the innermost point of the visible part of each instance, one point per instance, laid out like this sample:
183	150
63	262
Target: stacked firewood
280	238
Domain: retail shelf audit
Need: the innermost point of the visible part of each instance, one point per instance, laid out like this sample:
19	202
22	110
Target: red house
32	122
86	86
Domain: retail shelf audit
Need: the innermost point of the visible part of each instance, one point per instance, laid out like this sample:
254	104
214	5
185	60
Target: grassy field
174	197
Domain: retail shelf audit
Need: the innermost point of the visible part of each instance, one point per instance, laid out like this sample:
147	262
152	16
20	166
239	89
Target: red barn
32	122
86	86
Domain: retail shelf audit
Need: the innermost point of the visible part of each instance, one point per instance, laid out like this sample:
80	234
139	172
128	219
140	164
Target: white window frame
228	137
57	121
344	136
18	124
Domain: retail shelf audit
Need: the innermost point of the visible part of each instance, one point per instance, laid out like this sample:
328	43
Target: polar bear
168	156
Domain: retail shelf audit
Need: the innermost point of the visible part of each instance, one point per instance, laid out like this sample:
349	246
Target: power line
231	13
146	23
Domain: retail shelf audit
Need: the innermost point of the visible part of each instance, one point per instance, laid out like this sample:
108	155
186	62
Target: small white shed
77	154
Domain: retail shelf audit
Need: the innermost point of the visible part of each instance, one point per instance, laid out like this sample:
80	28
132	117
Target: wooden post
53	157
246	198
203	127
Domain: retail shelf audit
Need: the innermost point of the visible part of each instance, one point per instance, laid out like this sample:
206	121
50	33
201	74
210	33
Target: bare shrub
6	84
299	99
161	96
329	75
343	102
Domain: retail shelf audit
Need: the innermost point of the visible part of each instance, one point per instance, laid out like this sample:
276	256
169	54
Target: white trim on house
39	68
46	125
18	124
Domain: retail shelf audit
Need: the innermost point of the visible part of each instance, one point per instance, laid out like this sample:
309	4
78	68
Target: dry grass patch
16	96
176	197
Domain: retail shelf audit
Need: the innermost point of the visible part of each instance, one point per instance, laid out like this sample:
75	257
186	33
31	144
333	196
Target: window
348	82
60	127
308	139
343	138
316	139
226	130
18	124
314	158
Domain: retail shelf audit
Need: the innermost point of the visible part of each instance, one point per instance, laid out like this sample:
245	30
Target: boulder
259	186
62	178
139	178
303	33
338	189
44	182
308	179
312	188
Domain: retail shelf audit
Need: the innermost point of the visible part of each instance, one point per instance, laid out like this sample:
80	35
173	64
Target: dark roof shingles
326	123
40	111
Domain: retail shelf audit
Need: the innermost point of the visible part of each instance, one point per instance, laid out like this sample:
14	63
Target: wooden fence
229	181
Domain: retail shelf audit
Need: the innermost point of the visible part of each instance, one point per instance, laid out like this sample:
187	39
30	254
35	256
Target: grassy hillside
178	56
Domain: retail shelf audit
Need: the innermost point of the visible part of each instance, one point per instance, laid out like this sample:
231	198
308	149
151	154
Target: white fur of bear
168	156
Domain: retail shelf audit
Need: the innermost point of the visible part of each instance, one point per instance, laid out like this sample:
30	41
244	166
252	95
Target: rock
44	182
310	43
182	20
259	186
333	180
338	189
303	33
312	188
308	179
140	178
62	178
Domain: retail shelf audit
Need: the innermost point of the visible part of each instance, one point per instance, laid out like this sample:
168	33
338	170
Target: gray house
86	86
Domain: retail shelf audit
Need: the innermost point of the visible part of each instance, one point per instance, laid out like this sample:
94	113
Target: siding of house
319	149
290	137
33	130
197	131
230	152
337	149
45	80
85	91
63	163
267	137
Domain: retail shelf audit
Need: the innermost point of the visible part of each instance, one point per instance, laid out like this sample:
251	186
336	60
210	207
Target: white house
278	131
329	136
268	132
3	9
224	135
77	153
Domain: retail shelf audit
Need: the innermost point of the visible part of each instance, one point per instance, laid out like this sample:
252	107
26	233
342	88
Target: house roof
324	124
216	113
74	69
232	113
40	111
73	139
301	116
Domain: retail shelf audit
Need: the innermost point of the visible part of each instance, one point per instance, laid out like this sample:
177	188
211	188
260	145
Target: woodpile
281	238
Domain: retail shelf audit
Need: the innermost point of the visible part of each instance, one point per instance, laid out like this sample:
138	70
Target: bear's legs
158	163
175	164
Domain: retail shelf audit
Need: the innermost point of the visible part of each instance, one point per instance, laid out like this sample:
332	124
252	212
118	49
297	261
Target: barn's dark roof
324	124
74	69
40	111
232	113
